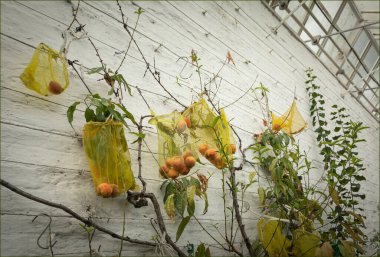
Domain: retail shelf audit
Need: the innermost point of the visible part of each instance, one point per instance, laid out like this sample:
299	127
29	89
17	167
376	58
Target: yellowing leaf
271	237
169	206
334	195
305	243
347	249
251	176
261	192
325	250
190	199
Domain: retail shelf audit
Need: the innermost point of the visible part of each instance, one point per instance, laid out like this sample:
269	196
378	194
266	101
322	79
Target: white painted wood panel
41	153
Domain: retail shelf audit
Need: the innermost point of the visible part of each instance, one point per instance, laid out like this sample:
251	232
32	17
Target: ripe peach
178	163
104	190
185	170
164	171
276	127
173	174
203	148
55	87
115	190
190	161
188	122
210	154
169	162
233	148
186	154
181	126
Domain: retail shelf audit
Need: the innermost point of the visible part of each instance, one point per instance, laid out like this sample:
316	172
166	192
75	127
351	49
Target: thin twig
240	97
72	63
154	73
87	222
130	41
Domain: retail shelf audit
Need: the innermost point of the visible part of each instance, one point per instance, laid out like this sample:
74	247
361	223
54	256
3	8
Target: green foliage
179	197
338	138
111	77
202	251
100	110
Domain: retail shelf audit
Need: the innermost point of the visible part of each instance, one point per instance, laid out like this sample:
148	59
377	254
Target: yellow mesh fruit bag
108	157
176	153
291	122
47	72
211	133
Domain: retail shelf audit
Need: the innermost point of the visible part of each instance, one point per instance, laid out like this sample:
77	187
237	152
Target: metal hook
48	226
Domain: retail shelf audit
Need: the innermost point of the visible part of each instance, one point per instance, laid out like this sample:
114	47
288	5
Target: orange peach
233	148
104	190
164	171
181	126
173	174
190	161
203	148
188	122
186	154
210	154
169	162
178	163
185	170
276	127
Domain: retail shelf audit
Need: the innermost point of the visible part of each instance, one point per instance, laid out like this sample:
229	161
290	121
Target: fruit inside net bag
291	122
108	158
176	152
211	134
46	72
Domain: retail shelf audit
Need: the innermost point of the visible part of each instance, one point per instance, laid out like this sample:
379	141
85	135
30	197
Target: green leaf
182	227
169	206
201	250
190	200
214	121
127	113
170	189
70	112
140	137
139	11
180	201
95	70
90	115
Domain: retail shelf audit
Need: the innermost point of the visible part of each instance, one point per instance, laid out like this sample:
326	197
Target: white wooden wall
41	154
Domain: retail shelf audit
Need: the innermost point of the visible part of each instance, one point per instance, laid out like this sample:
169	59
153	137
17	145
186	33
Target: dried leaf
229	58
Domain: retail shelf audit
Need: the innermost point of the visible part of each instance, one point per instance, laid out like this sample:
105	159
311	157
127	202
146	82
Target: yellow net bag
176	153
108	157
211	133
47	72
291	122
